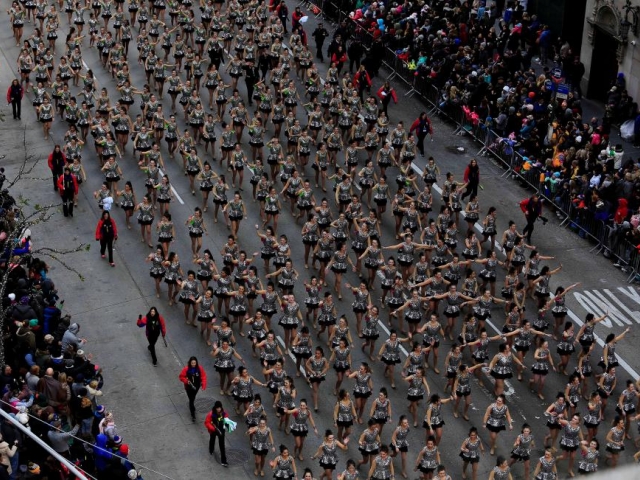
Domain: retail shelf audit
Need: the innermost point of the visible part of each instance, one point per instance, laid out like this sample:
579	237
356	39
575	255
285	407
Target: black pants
528	230
319	51
420	142
107	244
16	105
191	393
385	104
352	62
471	191
152	339
250	84
361	92
55	174
212	445
67	203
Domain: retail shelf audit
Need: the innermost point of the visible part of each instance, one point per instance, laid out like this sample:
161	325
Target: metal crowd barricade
582	221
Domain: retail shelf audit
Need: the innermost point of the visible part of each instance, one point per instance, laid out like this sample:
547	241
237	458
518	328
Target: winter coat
215	424
71	339
57	164
101	456
60	440
184	377
60	184
11	94
103	232
52	390
6	452
151	329
392	93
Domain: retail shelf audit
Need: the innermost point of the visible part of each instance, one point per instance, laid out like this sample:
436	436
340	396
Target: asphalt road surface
150	404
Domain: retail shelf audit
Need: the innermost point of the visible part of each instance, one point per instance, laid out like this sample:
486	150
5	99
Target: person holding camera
532	209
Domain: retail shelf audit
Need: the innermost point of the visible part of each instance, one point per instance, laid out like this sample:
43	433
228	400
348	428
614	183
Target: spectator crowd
500	68
49	382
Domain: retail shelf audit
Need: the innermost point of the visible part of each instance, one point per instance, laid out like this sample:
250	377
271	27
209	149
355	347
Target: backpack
524	204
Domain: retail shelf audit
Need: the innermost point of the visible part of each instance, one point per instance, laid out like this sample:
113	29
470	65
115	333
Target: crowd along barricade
585	222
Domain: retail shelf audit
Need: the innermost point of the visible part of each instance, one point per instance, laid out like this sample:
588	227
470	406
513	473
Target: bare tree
16	223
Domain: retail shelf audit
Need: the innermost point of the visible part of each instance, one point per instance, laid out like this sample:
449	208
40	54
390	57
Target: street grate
204	404
236	457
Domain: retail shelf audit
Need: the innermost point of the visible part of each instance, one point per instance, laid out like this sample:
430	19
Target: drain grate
204	404
236	457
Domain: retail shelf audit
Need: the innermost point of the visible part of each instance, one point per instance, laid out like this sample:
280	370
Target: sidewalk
149	404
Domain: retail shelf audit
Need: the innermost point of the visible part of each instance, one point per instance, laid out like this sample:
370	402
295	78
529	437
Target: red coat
362	79
99	229
335	59
9	93
60	183
203	377
295	19
142	322
50	159
208	421
392	93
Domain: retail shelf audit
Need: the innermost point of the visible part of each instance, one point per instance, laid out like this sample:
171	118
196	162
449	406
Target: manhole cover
456	149
204	404
236	456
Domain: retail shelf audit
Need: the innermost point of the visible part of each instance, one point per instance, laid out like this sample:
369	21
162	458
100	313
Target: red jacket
203	377
208	421
362	76
295	19
9	93
416	124
60	183
467	171
335	59
99	229
142	322
50	159
392	93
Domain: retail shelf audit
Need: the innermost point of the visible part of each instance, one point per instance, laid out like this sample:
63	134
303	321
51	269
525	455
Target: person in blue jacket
101	455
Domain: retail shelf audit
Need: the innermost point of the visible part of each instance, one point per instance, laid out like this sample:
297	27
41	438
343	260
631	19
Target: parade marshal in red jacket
215	426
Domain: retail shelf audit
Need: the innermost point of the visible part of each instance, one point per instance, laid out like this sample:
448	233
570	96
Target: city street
149	404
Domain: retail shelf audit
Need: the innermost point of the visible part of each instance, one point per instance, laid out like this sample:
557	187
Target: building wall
629	64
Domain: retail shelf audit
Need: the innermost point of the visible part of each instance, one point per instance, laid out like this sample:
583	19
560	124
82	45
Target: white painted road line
624	364
178	197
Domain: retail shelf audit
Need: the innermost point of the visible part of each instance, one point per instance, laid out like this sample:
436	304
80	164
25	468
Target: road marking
175	193
178	197
629	369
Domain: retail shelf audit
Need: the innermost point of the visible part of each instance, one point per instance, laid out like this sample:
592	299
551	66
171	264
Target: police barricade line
604	234
485	137
586	225
625	253
621	249
486	142
457	115
634	260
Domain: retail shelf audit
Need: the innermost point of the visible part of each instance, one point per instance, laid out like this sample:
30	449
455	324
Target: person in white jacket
6	452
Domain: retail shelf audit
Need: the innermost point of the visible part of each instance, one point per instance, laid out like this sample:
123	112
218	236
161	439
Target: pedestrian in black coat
57	162
355	52
154	327
319	35
251	77
106	234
